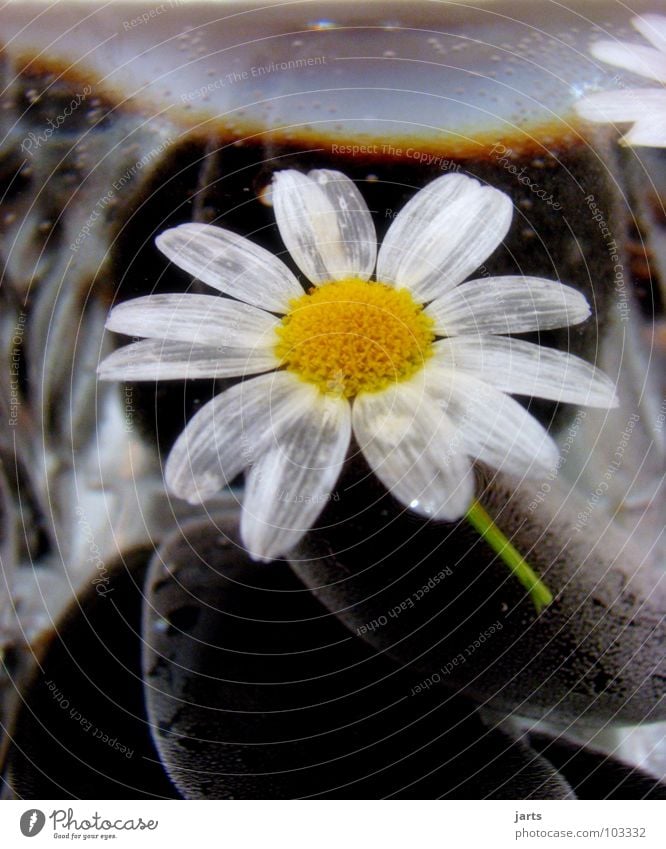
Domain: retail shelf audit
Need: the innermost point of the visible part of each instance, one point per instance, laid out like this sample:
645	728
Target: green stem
483	523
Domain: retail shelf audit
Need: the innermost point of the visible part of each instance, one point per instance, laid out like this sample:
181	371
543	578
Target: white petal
292	481
620	106
650	132
443	234
494	428
155	359
200	319
231	264
507	305
523	368
414	450
325	224
229	433
652	27
645	61
354	221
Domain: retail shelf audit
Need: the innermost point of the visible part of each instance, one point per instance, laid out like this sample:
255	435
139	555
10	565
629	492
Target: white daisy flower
645	107
411	363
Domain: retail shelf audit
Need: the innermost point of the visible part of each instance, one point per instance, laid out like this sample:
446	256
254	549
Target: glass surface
148	618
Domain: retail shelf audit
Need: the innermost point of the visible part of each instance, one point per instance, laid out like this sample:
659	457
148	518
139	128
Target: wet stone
81	731
267	695
593	775
433	595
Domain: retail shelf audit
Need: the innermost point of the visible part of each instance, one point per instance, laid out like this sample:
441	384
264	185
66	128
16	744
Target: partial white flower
413	364
644	107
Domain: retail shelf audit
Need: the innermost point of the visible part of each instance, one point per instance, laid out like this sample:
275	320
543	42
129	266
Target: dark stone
82	731
594	775
433	595
267	695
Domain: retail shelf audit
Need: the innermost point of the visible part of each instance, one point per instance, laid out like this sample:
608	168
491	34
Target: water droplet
265	195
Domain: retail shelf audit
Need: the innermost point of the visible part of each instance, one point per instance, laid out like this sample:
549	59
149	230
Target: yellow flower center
350	336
